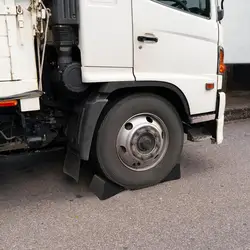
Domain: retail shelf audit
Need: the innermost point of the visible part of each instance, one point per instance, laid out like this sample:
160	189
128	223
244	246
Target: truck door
177	42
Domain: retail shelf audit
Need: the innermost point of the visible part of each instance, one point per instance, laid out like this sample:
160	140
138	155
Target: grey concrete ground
238	105
209	208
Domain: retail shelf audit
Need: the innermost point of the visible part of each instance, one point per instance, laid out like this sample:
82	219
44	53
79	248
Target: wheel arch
111	92
93	109
166	90
138	109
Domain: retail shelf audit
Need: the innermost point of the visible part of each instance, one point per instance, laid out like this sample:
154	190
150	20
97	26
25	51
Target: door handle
147	39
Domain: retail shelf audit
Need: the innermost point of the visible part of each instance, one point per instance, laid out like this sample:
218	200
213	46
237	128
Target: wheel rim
142	142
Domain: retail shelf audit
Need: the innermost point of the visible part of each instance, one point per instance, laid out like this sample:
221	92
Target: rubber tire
105	145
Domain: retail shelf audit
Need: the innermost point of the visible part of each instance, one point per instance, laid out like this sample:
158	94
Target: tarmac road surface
209	208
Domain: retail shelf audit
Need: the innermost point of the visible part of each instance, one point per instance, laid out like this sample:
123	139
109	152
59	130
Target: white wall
236	24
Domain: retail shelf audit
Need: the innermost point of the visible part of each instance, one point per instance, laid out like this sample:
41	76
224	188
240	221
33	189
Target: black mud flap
72	164
81	129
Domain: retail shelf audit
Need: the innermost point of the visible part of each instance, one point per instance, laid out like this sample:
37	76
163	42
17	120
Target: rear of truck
18	69
119	94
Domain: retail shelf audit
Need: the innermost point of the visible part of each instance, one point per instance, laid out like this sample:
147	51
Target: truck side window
198	7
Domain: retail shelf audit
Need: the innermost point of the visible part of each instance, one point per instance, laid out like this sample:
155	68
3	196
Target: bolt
134	139
142	130
152	132
133	148
152	155
157	140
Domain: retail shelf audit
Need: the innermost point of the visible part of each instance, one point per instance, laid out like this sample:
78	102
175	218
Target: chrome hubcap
142	142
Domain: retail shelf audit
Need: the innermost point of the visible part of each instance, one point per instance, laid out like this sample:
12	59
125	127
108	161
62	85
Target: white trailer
236	31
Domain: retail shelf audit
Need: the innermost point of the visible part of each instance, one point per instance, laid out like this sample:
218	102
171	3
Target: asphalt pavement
208	208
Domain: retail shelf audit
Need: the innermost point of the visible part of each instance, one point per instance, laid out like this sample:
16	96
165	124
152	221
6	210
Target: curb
233	114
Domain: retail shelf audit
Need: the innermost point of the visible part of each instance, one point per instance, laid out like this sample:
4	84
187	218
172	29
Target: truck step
198	135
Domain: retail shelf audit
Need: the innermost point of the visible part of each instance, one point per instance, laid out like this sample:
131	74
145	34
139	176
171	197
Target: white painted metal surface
236	31
221	118
186	54
106	40
18	72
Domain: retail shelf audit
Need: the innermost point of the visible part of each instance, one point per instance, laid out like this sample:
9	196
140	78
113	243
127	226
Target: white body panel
18	72
106	74
221	118
106	40
236	31
185	55
221	44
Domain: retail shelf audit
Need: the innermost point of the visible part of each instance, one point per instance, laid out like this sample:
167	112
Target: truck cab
117	82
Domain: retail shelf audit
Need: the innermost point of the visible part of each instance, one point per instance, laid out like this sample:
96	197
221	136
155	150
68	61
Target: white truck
118	82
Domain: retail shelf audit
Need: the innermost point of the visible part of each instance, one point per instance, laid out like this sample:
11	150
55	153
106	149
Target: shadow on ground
39	176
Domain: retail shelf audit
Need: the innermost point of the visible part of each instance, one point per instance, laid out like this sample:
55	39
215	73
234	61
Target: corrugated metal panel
5	64
18	72
4	48
3	31
21	43
5	59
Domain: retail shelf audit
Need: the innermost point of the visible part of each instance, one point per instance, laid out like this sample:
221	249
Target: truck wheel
139	141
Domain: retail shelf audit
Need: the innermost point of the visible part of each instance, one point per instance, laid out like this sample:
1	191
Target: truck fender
88	123
80	133
109	88
94	107
83	124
